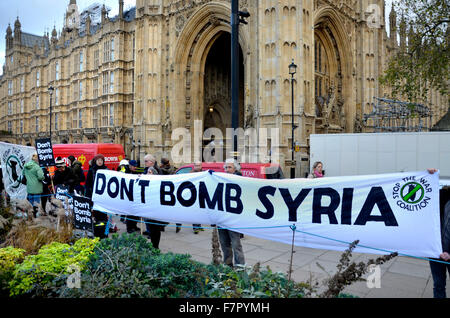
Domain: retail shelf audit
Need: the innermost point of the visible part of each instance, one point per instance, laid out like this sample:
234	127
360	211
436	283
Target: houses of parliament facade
163	64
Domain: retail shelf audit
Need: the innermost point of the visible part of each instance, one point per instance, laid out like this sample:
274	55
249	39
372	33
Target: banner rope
292	227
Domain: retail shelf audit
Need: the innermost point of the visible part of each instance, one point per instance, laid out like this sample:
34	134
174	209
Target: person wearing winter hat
98	163
64	175
133	166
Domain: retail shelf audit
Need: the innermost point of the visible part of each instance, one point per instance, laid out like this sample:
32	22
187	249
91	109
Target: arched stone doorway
332	79
204	43
217	90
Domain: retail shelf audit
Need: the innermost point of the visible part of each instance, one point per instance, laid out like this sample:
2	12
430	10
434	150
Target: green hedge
127	265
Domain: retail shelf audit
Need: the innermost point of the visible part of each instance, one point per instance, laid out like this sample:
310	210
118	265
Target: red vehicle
251	170
84	153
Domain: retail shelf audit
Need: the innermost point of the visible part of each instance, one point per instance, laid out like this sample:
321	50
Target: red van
113	153
251	170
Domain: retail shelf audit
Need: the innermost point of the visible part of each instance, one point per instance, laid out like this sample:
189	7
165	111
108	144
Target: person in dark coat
98	163
230	241
64	175
100	219
154	227
77	169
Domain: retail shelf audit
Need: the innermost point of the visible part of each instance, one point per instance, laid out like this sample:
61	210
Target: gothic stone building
165	64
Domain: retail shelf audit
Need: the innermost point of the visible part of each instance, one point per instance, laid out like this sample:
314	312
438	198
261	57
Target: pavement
401	277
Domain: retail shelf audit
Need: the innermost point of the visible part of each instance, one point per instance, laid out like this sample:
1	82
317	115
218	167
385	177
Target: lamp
50	91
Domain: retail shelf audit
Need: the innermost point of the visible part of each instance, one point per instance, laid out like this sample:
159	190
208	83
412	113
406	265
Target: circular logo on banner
411	194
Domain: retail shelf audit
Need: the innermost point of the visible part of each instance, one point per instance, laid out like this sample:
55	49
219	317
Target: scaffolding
395	116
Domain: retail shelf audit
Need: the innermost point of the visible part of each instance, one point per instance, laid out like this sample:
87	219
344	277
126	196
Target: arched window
321	74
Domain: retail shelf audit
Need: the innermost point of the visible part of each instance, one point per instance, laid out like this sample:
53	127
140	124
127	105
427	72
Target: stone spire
402	33
104	14
120	9
88	25
393	25
17	32
54	39
9	37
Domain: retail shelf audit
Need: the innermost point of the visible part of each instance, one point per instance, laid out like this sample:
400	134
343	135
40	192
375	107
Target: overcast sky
39	16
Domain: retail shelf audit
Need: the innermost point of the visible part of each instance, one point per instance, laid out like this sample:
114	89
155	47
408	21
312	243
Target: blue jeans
438	272
34	198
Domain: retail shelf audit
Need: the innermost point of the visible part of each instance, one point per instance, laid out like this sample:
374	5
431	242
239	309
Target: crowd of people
40	182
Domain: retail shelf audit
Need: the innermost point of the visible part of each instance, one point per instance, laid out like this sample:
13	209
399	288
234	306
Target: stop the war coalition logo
412	194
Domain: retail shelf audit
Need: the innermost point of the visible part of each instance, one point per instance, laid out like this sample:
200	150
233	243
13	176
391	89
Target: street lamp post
237	17
292	71
50	91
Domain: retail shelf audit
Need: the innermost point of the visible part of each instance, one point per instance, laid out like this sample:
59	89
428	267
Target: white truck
375	153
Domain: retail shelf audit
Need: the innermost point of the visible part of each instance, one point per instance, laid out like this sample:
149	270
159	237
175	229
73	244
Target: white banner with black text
387	213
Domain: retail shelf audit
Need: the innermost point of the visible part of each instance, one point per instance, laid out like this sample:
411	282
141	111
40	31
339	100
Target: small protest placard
45	152
82	214
61	193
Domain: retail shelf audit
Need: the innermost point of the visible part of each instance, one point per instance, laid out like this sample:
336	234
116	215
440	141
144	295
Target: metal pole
51	94
234	71
292	99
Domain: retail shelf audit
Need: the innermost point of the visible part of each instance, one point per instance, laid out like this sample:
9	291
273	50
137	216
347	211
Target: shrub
129	266
31	237
9	257
247	282
52	260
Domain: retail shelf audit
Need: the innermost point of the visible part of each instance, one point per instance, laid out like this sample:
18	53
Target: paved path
402	277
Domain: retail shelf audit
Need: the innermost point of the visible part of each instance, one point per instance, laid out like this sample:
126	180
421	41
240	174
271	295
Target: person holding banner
317	170
230	241
34	176
101	219
154	227
438	269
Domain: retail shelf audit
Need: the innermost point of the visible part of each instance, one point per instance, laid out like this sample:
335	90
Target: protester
100	219
133	167
64	175
154	227
317	170
124	166
97	163
47	188
132	221
230	241
439	270
166	168
34	176
77	169
150	161
197	168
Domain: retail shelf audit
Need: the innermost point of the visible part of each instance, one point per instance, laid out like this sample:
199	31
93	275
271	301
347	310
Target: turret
17	32
9	38
393	25
120	9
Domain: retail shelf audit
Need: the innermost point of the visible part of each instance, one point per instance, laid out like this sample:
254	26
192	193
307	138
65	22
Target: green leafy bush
9	258
52	260
129	266
247	282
